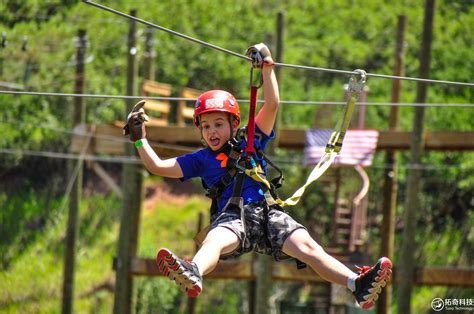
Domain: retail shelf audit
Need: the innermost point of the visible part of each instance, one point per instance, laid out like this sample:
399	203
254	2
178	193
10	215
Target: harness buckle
238	165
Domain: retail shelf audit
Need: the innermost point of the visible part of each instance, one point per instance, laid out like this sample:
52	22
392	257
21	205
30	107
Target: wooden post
263	263
278	71
337	198
200	226
3	45
149	56
263	287
27	72
252	292
132	181
390	174
407	252
362	108
76	191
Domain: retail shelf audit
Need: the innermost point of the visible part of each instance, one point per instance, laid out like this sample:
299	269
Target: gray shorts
257	237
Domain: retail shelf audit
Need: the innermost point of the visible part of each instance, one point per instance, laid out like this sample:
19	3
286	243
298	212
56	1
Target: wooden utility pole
3	45
280	33
413	205
390	174
264	262
149	56
132	182
76	191
200	225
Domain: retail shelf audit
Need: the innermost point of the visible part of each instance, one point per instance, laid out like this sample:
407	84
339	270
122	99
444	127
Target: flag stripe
358	147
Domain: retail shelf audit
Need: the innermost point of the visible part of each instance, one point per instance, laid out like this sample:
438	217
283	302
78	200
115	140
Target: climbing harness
246	160
254	170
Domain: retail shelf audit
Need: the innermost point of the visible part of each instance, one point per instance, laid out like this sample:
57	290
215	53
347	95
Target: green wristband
139	143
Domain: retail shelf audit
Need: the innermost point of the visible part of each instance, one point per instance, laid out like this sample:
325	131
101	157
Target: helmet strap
231	126
203	141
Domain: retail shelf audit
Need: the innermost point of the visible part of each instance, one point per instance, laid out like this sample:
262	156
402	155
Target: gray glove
260	55
136	119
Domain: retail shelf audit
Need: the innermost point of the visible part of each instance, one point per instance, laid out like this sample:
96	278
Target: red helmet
216	100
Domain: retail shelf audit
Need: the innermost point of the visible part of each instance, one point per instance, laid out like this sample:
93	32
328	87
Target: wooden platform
109	140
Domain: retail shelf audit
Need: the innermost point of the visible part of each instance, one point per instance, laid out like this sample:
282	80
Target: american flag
358	147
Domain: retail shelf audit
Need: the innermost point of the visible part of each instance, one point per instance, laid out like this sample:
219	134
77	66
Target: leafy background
335	34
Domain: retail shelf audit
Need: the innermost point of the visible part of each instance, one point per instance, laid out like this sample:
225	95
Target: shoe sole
169	266
386	273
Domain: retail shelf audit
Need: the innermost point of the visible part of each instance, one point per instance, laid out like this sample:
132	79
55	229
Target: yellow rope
335	142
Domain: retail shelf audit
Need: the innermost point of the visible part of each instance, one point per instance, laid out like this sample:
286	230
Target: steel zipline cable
58	155
286	102
294	66
100	6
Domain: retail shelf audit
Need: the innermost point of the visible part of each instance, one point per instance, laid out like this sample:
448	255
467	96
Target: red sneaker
184	273
370	282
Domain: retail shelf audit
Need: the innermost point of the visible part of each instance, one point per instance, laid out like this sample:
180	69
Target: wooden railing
285	271
185	112
110	138
159	110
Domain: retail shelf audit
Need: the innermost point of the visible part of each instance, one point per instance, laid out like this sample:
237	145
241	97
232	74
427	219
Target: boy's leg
366	286
219	241
188	275
301	246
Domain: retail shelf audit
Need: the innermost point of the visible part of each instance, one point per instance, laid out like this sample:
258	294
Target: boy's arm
266	117
135	128
163	167
262	58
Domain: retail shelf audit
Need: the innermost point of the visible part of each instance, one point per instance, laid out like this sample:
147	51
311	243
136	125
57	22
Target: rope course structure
285	102
292	102
134	160
288	102
294	66
332	149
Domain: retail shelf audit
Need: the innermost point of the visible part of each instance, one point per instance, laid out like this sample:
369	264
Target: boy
260	227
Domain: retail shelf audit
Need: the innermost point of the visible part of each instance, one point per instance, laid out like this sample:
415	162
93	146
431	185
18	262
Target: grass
32	282
171	225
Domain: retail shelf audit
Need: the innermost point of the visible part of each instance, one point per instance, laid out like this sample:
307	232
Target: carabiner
238	166
357	85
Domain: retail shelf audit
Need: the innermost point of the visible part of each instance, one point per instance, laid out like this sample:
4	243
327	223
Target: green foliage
22	218
156	295
32	280
334	34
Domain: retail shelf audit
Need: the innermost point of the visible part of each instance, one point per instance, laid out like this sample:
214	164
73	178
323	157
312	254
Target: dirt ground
171	191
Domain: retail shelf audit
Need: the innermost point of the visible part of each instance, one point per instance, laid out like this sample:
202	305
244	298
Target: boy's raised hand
136	119
260	55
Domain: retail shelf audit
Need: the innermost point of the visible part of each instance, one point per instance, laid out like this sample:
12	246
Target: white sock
351	283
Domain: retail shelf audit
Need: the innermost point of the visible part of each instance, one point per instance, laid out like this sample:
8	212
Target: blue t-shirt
211	166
